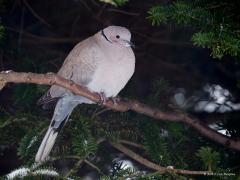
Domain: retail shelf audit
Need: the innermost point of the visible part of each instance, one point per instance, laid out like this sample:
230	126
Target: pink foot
115	100
103	98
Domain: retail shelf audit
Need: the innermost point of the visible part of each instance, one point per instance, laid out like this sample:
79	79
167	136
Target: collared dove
103	63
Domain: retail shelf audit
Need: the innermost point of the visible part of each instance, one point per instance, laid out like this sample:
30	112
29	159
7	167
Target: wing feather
79	66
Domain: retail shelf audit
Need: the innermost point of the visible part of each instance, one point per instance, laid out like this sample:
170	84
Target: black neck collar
103	34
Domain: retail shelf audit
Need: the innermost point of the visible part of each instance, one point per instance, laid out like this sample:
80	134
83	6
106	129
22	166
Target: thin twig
131	144
85	5
64	157
41	39
93	166
97	113
98	15
100	140
152	165
21	28
163	42
35	14
74	24
1	60
11	121
122	12
74	169
95	3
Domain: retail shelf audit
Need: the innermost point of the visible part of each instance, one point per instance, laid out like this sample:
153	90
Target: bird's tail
62	111
46	145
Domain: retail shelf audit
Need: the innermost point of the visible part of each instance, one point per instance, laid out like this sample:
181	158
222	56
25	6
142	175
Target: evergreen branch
152	165
64	157
79	162
74	169
122	106
11	121
216	26
93	166
33	173
97	113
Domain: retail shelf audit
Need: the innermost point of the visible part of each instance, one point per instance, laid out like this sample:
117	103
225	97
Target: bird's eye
117	36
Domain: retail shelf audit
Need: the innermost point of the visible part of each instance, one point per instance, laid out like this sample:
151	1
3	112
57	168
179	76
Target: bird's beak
129	43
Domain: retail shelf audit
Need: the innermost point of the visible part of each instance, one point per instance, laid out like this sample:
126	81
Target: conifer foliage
216	23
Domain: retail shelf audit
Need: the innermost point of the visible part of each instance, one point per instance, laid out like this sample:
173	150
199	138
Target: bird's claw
103	98
115	100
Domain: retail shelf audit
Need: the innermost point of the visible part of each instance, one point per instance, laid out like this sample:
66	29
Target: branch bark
152	165
123	105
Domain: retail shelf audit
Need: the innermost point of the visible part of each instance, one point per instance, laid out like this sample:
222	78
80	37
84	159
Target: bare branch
35	14
93	166
122	12
44	40
123	105
133	144
152	165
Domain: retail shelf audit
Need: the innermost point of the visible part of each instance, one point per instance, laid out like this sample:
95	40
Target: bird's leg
103	98
115	100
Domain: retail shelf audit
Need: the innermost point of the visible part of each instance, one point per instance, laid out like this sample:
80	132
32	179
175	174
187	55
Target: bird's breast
113	74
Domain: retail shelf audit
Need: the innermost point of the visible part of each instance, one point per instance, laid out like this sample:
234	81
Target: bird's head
117	35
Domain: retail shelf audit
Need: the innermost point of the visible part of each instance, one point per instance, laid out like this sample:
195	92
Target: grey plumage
63	109
103	63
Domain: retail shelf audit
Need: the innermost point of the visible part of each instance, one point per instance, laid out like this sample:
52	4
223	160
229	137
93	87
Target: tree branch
152	165
123	105
94	166
74	169
35	14
133	144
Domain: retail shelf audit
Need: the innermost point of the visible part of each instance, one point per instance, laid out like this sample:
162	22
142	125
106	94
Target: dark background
39	35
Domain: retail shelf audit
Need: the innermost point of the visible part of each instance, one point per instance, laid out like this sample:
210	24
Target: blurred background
174	72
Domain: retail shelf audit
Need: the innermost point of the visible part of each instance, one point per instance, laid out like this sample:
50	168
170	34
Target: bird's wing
47	100
79	66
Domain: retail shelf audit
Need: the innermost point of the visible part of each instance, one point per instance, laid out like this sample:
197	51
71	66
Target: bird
103	63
